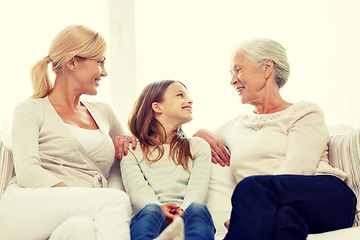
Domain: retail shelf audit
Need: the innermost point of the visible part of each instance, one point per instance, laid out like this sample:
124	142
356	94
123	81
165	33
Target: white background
191	41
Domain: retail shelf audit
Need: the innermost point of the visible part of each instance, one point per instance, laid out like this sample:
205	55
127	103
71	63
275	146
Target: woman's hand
60	184
218	152
170	211
122	144
226	224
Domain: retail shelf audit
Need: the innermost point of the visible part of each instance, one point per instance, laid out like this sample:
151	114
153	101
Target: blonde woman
63	150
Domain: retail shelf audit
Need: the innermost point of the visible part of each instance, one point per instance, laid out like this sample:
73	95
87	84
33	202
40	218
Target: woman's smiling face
247	78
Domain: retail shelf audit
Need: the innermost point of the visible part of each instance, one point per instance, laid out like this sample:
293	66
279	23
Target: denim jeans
150	222
287	207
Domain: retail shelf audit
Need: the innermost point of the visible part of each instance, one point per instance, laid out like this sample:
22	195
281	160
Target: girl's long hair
151	133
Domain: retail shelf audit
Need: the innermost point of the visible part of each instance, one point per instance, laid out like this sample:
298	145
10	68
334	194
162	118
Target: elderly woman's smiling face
247	78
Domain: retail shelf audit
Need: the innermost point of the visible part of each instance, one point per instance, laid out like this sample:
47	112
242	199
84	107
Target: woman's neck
270	103
62	96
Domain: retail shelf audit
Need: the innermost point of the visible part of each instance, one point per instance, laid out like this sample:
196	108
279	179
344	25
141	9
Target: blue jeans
150	222
287	207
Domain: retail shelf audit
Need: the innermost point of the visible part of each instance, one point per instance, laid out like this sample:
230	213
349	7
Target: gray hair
258	50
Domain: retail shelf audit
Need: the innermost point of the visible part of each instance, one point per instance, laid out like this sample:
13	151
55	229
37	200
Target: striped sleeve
200	172
135	184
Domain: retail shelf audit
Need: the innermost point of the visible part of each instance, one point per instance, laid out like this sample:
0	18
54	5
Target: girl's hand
170	210
122	144
218	152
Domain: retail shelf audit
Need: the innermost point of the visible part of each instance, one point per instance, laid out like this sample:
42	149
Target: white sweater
46	152
164	181
292	141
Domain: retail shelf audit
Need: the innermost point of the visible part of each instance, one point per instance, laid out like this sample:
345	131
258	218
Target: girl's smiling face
176	105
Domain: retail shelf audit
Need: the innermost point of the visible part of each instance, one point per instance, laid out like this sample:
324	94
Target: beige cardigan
46	152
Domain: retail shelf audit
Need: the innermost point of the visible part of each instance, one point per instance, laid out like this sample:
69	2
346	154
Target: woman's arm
307	143
25	140
200	173
218	152
121	138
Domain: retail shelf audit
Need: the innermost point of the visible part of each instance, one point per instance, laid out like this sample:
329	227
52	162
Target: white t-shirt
88	138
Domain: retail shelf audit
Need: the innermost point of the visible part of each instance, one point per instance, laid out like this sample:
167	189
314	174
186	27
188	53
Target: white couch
343	147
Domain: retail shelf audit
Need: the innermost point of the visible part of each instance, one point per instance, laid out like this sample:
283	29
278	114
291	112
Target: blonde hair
258	50
75	40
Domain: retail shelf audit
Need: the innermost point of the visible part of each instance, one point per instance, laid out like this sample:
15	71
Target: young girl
168	175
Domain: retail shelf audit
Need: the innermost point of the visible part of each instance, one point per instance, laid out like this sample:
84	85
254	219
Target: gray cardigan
46	152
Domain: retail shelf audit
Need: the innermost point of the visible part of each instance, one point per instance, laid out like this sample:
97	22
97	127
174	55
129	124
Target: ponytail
40	79
74	40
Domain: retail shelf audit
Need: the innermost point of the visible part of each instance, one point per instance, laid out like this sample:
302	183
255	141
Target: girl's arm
135	184
200	172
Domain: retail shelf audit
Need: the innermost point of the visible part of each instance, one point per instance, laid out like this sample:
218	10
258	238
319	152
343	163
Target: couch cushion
221	186
344	153
6	167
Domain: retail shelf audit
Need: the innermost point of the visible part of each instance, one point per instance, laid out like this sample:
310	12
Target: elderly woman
286	187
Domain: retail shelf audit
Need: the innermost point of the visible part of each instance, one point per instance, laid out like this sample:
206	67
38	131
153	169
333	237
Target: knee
251	183
74	227
197	206
80	223
252	187
114	202
152	208
117	197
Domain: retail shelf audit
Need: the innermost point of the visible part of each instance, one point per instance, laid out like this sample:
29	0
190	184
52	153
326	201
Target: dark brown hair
150	132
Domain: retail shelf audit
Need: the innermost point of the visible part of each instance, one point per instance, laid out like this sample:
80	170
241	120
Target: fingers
133	141
171	205
220	155
169	210
226	224
179	212
122	144
218	152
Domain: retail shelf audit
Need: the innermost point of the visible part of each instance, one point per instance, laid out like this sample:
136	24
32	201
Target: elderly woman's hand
218	152
122	144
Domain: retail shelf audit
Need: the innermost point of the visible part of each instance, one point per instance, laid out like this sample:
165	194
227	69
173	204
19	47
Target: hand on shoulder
122	145
219	154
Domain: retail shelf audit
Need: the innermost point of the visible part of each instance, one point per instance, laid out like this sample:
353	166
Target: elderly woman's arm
307	143
219	154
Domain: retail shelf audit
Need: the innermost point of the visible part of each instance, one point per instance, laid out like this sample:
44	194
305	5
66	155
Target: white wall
191	41
27	29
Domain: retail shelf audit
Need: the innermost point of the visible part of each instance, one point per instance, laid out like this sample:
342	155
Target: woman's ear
156	107
70	64
268	67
